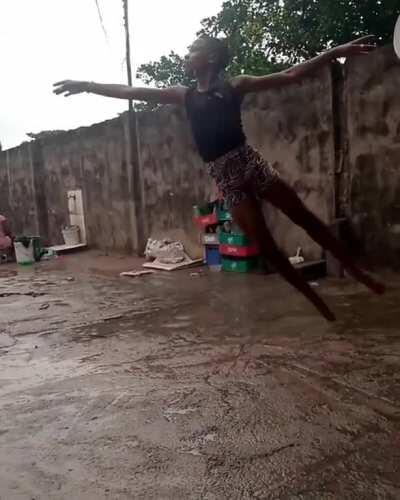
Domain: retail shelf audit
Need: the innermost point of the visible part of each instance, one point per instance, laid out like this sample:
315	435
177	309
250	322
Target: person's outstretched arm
171	95
247	83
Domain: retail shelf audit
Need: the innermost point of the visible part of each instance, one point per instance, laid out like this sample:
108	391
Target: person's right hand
70	87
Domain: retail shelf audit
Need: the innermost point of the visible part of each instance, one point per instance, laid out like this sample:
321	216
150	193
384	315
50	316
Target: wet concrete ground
206	386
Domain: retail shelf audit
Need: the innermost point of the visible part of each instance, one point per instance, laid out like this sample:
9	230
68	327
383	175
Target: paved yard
205	386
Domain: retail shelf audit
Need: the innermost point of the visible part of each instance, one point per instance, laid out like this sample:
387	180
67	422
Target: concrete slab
209	386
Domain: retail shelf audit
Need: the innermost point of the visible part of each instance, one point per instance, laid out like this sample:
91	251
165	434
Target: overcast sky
42	41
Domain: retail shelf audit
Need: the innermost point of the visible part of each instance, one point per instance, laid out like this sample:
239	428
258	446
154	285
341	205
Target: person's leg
248	215
282	196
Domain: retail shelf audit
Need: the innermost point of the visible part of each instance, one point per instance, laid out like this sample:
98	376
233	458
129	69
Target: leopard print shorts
242	173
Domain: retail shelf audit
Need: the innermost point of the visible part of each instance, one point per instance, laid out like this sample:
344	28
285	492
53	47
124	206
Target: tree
268	35
241	24
289	31
168	71
300	29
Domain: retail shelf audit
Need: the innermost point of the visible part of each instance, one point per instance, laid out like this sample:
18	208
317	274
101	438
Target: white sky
43	41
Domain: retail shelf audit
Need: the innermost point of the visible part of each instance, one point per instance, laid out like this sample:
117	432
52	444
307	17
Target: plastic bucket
24	255
71	235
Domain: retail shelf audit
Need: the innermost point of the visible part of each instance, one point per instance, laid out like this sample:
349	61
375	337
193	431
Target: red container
204	221
236	251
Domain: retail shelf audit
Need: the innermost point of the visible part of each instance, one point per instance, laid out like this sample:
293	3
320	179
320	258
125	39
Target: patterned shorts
242	173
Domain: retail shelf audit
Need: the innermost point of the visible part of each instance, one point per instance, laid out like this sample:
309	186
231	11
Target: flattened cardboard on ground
135	274
67	248
188	262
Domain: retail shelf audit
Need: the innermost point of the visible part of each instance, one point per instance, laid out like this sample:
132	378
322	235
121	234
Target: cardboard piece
66	248
135	274
188	262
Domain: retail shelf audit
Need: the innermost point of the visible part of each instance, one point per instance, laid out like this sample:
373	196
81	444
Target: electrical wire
101	20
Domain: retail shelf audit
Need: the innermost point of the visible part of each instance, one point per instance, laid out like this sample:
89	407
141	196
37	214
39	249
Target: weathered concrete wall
174	177
17	196
372	167
293	129
92	159
35	178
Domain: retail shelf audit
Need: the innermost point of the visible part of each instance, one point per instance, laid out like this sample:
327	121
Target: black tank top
215	117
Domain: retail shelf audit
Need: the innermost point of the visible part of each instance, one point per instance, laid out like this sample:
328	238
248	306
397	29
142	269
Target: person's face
199	57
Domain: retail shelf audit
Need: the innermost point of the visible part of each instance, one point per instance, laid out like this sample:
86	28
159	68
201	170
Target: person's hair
219	47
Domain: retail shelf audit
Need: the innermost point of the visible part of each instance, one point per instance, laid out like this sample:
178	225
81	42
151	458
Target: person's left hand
363	45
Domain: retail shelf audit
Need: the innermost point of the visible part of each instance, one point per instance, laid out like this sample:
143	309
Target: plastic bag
166	251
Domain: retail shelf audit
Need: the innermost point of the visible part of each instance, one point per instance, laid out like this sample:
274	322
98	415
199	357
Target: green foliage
300	29
166	72
268	35
245	24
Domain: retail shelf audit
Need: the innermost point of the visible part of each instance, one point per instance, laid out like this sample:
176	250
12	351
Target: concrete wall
173	175
372	164
17	196
92	159
336	141
293	129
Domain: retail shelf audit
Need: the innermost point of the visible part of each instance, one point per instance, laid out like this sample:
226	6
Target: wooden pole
133	156
128	49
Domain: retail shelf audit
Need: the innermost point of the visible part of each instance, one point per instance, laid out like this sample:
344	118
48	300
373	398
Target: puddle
7	273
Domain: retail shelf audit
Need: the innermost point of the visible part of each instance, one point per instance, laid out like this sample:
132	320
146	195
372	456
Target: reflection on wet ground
190	385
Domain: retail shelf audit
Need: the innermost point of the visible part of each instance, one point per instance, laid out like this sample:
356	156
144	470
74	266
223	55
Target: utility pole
128	49
133	156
